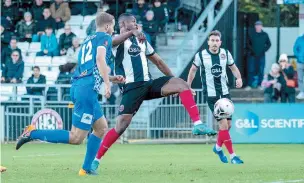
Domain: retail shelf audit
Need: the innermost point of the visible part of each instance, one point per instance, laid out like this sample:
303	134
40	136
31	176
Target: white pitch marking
288	181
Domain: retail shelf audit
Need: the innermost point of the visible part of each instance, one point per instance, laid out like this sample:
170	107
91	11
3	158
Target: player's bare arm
103	69
118	39
117	79
160	64
237	74
191	76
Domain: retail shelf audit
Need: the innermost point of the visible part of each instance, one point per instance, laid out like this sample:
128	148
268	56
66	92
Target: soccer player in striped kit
212	63
131	61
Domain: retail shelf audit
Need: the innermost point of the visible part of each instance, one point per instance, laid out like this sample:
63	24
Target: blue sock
92	148
53	136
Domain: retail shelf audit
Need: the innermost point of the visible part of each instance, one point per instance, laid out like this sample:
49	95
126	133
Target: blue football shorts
86	106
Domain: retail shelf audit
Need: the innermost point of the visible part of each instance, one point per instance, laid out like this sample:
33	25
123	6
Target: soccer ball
223	108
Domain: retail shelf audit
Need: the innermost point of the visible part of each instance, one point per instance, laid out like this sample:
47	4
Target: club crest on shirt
121	108
222	56
216	70
134	50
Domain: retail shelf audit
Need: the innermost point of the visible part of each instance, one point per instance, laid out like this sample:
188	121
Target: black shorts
212	100
135	93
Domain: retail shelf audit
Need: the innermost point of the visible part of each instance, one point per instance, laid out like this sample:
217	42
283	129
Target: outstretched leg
179	86
123	121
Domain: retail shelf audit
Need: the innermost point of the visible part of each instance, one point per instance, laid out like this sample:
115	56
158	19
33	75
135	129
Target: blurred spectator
150	27
6	52
88	8
65	39
91	28
47	21
26	28
60	12
36	78
298	50
258	44
13	70
160	14
140	9
273	84
288	90
37	10
10	11
5	37
49	45
7	24
73	51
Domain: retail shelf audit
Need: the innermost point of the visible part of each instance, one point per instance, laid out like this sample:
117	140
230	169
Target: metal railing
14	91
168	122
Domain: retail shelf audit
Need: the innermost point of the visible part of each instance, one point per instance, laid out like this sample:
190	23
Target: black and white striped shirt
131	60
213	71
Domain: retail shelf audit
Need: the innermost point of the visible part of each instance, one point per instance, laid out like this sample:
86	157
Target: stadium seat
50	76
87	19
29	60
21	90
44	69
34	47
5	91
43	61
50	82
81	33
55	69
75	20
59	32
59	60
27	72
23	46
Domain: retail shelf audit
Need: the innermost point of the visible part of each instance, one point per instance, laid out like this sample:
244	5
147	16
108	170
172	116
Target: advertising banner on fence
268	123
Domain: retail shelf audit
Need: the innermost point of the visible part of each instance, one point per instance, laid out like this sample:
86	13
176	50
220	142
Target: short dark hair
123	16
36	67
13	38
215	33
48	27
103	18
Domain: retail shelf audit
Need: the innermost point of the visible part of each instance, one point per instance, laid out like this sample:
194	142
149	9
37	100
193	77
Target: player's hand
193	92
117	79
140	35
107	88
239	83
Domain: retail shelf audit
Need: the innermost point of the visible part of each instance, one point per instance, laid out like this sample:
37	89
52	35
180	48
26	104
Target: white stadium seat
55	69
75	20
23	46
43	61
44	69
87	19
6	89
29	60
59	60
59	32
28	71
21	90
34	47
50	76
80	33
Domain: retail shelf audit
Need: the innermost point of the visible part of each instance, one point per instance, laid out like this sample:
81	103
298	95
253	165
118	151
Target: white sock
232	155
198	122
97	159
218	148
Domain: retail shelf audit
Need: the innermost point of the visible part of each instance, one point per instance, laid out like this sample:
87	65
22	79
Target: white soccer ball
223	108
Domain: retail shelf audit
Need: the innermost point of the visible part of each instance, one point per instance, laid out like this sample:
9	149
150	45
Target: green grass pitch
52	163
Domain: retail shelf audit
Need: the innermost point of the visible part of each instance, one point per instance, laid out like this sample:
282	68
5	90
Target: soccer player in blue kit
91	71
